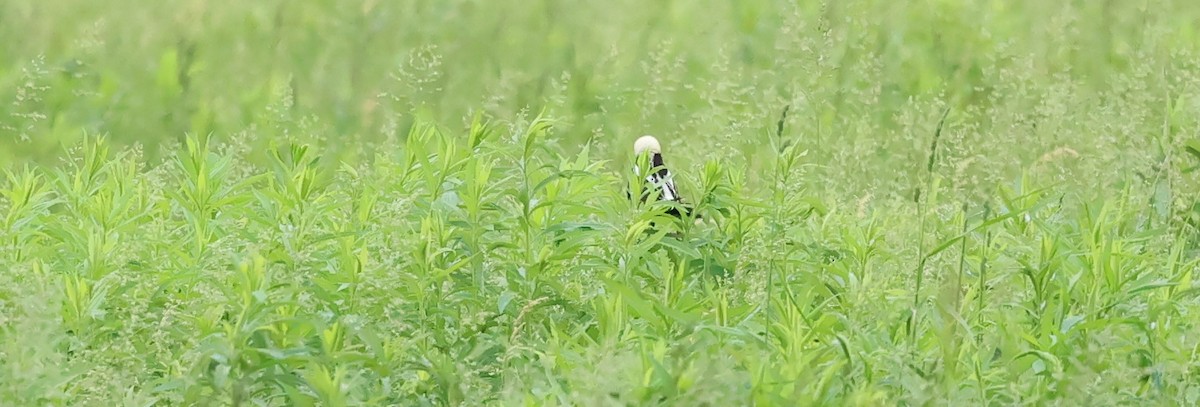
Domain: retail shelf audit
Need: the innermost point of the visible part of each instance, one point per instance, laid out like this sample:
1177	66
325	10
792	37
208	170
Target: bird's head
647	150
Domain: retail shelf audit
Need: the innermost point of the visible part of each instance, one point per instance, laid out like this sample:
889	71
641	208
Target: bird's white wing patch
666	185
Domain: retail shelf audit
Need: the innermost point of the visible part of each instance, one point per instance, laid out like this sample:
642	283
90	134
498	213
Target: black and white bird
658	177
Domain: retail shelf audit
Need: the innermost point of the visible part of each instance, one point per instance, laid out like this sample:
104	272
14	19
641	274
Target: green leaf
505	299
1193	148
633	298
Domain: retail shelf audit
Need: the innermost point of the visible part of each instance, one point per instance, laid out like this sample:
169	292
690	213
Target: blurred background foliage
1088	93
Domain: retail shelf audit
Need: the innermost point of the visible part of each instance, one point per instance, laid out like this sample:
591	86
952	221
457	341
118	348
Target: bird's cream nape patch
646	144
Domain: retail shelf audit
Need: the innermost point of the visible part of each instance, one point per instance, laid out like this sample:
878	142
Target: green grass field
423	202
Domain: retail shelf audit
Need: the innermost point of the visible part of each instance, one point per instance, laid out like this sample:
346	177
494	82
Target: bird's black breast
656	160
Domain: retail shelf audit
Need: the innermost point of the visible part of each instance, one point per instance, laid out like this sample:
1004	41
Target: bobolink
659	178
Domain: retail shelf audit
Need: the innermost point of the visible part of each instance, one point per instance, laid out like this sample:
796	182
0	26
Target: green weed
425	203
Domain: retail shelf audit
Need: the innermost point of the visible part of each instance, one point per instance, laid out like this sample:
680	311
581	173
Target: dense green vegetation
422	202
